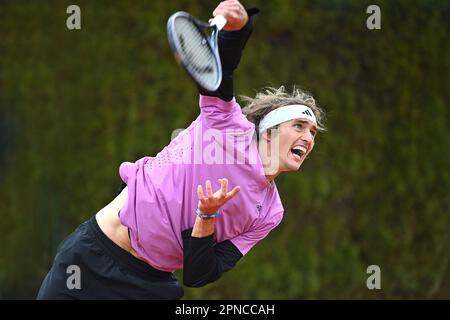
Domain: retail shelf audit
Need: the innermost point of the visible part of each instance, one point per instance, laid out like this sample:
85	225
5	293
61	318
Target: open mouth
298	152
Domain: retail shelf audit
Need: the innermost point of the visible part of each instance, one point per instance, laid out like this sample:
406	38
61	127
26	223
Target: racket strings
195	52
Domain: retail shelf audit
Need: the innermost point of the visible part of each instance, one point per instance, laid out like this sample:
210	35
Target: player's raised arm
231	41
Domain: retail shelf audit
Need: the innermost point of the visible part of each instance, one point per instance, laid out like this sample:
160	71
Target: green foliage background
75	104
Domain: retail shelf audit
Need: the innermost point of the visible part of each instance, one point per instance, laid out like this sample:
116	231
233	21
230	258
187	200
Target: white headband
286	113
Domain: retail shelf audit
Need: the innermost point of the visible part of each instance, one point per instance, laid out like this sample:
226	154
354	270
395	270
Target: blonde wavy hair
271	98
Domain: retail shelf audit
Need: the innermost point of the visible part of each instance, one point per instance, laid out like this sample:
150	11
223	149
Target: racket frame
210	41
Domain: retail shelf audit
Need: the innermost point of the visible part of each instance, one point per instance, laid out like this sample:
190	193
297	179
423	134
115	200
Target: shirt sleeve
221	115
249	239
205	261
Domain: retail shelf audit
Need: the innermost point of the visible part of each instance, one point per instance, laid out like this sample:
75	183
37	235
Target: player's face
296	141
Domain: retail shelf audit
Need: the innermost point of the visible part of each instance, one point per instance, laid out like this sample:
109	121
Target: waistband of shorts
124	257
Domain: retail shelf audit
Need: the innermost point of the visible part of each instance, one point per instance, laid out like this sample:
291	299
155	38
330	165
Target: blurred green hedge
75	104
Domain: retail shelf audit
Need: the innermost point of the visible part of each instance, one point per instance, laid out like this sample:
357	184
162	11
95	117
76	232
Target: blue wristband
206	216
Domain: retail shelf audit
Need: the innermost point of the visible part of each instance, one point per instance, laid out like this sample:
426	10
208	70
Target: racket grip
219	21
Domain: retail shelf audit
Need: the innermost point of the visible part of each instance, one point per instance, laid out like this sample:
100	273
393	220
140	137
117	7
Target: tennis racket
194	50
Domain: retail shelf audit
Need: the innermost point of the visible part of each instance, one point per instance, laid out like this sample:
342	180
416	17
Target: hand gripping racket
195	50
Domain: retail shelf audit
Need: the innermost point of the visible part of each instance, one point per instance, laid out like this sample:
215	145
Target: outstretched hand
210	203
234	12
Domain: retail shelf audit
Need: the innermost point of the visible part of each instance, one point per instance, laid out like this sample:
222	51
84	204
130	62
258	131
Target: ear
266	135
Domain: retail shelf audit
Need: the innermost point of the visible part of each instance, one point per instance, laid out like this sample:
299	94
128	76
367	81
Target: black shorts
89	265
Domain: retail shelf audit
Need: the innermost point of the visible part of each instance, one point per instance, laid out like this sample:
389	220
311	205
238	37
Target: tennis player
176	210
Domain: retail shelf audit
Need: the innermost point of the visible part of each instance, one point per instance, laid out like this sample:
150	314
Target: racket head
194	50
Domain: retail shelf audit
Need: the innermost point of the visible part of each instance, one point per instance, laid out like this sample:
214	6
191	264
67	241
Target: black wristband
232	43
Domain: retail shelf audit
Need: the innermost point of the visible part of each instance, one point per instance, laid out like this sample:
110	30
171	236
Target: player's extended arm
232	40
204	261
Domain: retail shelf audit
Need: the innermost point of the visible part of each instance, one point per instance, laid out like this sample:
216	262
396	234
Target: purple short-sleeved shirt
162	190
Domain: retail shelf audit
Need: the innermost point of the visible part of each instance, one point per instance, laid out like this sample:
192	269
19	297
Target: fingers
221	195
200	194
233	192
229	11
223	186
209	191
235	4
234	12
